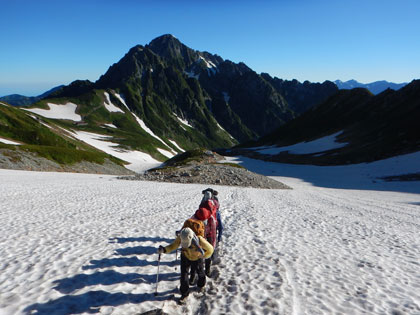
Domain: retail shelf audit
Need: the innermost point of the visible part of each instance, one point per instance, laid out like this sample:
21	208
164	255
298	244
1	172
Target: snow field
78	243
66	111
315	146
139	161
71	252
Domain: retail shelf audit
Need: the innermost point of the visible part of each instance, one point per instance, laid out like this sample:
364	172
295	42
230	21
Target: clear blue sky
47	43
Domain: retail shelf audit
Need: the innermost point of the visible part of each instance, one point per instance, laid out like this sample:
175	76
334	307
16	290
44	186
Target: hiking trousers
207	264
186	265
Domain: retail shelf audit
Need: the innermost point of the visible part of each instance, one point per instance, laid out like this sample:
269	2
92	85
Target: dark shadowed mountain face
371	127
375	87
302	96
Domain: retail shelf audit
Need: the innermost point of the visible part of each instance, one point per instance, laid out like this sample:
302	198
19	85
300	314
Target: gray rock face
210	174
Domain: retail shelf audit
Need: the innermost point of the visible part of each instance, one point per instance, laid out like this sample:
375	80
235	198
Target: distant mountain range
21	100
375	87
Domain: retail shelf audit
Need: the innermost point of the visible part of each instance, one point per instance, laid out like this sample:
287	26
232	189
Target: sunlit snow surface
110	106
150	132
6	141
184	121
122	100
139	161
340	242
176	145
66	111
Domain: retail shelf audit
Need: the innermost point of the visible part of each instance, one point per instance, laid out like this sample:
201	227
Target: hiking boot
201	289
192	279
183	299
208	273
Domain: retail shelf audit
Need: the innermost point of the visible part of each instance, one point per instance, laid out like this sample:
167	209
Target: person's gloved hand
161	249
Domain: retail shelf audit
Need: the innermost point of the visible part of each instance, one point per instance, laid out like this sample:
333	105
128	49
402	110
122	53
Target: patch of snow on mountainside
139	161
111	107
183	121
315	146
6	141
40	121
176	145
166	153
147	129
218	125
65	111
122	100
209	63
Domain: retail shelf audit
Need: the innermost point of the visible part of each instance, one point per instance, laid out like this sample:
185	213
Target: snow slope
6	141
139	161
66	111
111	107
79	243
318	145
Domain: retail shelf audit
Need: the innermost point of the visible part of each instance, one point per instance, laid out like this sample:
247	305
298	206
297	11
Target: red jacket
207	213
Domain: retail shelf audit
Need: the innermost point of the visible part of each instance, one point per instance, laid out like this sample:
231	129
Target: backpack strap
196	242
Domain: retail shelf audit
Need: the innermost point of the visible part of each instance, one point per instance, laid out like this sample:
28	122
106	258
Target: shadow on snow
108	277
92	301
123	262
139	239
137	250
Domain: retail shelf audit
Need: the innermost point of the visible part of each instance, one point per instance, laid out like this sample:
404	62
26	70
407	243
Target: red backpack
207	213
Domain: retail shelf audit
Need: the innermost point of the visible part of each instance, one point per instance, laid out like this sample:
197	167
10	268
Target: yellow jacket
192	252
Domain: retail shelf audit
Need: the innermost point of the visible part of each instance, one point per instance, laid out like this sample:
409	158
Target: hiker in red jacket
215	199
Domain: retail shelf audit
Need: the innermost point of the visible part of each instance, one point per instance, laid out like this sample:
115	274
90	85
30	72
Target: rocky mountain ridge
359	127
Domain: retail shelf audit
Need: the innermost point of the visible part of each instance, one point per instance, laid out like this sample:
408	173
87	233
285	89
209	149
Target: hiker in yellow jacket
194	250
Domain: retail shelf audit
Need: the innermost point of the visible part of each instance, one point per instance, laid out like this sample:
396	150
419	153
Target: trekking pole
176	259
176	252
157	277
